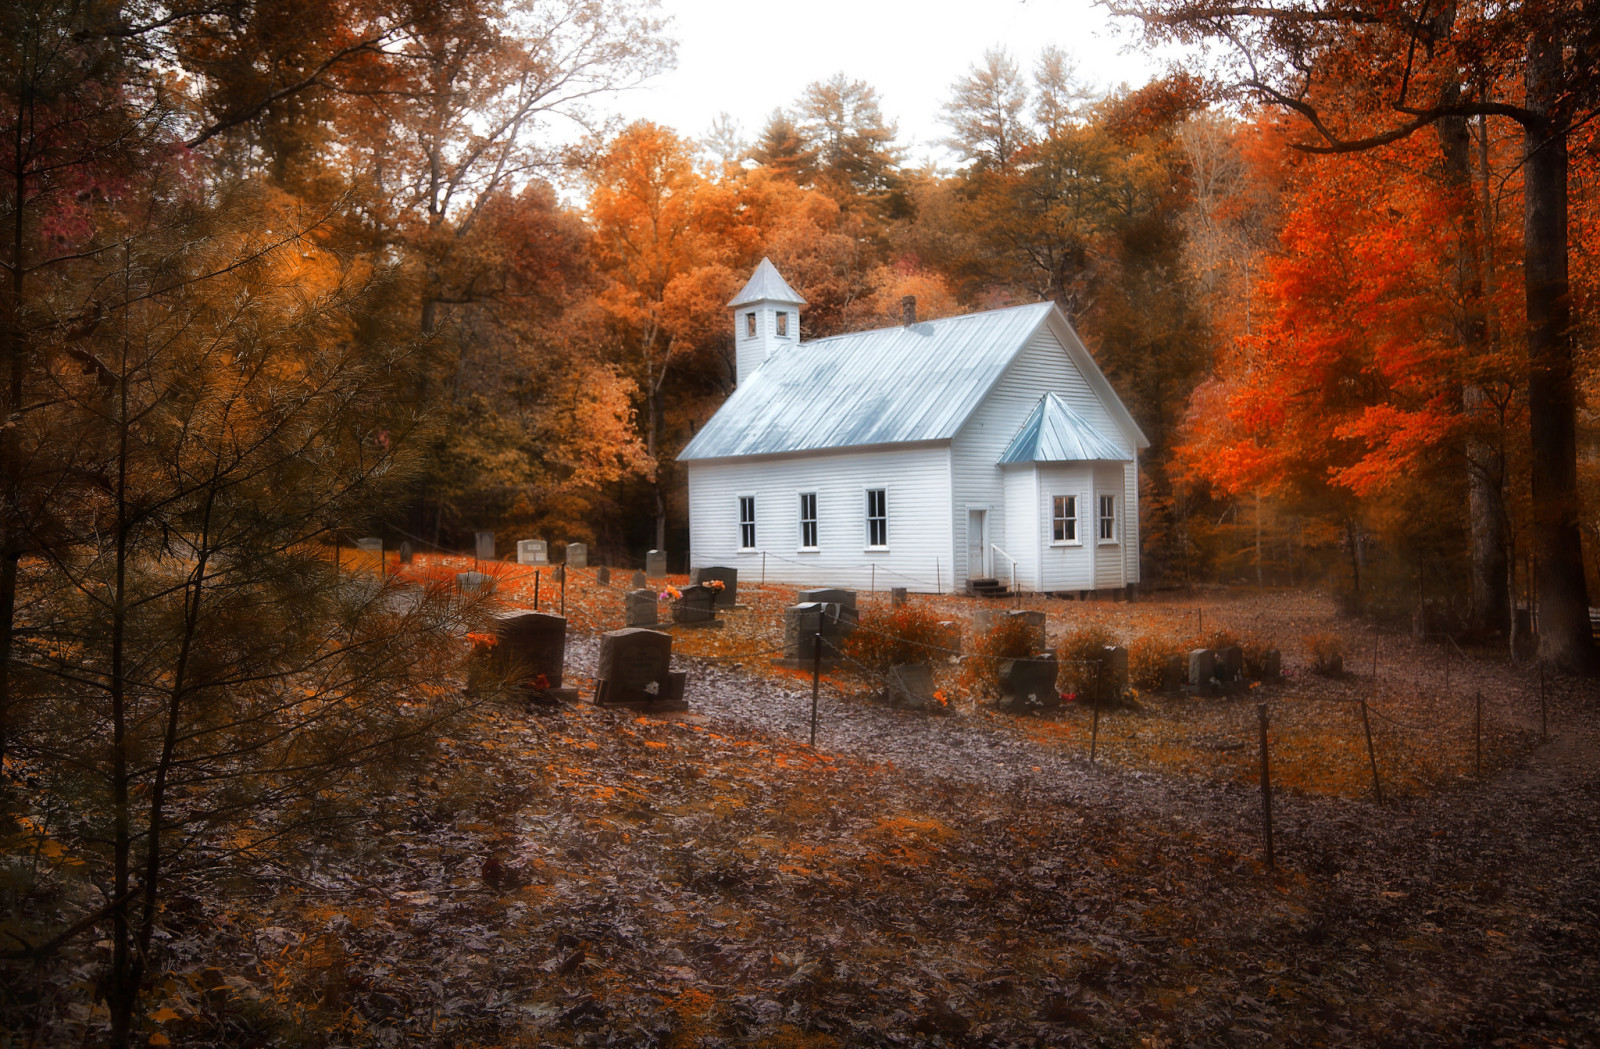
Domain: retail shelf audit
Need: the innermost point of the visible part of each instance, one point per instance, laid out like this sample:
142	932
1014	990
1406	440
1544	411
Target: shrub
1009	638
908	634
1254	646
1147	660
1327	654
1080	653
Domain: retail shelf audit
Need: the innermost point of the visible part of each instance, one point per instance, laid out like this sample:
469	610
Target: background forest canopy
1286	326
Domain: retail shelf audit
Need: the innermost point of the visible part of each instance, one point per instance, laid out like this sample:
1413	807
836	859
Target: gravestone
910	687
696	607
633	671
602	575
483	546
472	582
639	582
800	625
1272	665
728	596
655	564
950	636
838	620
1172	679
1029	684
641	608
405	552
370	545
1230	665
532	651
1202	668
532	552
1113	673
577	555
897	597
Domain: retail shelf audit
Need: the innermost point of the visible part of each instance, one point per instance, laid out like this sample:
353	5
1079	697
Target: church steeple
766	319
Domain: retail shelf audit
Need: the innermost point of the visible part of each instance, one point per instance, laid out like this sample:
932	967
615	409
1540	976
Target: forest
279	275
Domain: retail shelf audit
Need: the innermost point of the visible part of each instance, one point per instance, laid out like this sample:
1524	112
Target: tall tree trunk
1490	611
1565	638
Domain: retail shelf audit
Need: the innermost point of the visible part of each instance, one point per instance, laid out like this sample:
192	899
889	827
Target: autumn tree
1363	76
987	112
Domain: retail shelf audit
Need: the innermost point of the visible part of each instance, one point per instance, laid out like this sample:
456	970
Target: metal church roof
918	382
766	284
1054	433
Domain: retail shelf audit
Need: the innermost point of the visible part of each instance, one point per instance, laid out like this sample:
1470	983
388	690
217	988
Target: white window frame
1076	538
750	524
812	521
750	325
867	518
781	329
1105	521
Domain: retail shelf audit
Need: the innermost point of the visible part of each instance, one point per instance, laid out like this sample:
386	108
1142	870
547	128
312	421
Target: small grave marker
1172	679
472	582
405	552
1029	684
602	575
655	564
532	552
641	608
911	687
897	596
532	651
483	546
1272	665
634	671
577	555
639	582
1113	673
696	607
1202	668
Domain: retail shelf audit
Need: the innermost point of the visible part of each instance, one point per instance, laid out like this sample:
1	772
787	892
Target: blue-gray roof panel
1055	433
919	382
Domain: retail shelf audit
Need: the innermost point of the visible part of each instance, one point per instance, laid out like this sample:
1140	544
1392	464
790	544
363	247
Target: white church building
982	447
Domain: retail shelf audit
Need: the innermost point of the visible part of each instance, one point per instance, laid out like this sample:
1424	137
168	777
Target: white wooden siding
1109	563
919	554
1070	566
1021	536
1042	366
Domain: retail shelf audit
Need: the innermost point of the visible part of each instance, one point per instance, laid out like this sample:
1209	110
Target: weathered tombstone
838	620
800	626
728	596
1202	668
633	671
602	575
1172	679
472	582
1272	665
983	621
1230	665
405	552
696	607
950	636
910	686
639	582
532	650
370	545
897	596
577	555
483	546
641	608
532	552
1036	626
1029	684
655	564
1113	673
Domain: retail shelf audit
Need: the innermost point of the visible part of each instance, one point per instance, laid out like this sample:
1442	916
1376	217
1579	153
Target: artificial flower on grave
671	593
714	584
541	682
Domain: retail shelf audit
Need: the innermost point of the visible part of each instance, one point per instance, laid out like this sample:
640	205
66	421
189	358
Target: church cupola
766	319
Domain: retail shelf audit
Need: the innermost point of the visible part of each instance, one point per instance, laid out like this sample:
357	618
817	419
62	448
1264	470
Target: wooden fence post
816	680
1094	731
1477	733
1372	757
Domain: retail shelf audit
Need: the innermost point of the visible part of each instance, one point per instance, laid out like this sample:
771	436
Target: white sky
747	59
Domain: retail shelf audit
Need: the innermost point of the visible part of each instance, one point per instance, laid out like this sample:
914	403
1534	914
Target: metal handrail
995	547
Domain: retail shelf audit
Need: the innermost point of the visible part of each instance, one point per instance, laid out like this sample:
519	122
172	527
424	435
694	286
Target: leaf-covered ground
588	877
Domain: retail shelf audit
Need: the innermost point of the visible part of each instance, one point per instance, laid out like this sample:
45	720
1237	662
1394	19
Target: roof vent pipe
908	309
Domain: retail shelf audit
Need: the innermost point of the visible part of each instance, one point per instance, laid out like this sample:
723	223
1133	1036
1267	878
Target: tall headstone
634	671
1113	673
532	552
484	546
577	555
800	626
1202	668
473	582
728	596
1272	668
638	582
655	564
1230	665
641	608
897	596
602	575
1029	684
1173	677
532	650
370	544
405	551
